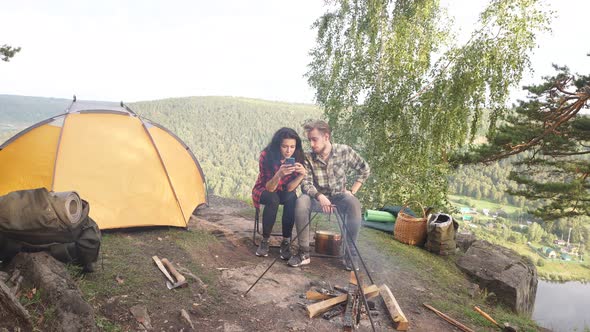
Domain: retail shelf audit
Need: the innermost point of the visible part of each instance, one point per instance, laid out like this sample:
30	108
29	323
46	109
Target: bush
540	262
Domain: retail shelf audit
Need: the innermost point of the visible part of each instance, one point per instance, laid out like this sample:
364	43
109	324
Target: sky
134	50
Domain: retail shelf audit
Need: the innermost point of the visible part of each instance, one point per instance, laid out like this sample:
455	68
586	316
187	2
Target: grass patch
106	325
43	314
432	269
118	249
198	242
483	204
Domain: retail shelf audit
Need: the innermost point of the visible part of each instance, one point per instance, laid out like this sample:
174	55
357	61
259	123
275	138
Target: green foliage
535	232
7	52
375	74
17	112
491	181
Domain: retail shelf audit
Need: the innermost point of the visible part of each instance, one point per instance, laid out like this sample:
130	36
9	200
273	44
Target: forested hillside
227	134
488	182
18	112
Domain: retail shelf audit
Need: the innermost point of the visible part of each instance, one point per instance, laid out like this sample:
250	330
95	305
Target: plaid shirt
329	178
265	175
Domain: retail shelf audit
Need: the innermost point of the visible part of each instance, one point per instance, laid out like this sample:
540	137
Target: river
563	307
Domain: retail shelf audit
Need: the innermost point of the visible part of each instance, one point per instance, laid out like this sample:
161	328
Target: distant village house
548	252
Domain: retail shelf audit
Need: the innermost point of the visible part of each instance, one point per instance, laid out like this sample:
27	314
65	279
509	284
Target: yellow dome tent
133	172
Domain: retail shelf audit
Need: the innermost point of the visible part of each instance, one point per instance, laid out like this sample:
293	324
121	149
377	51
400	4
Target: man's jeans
347	205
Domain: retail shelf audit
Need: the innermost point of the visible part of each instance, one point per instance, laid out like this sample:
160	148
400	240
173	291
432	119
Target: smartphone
290	161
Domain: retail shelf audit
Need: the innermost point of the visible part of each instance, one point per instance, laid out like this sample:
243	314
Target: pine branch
564	113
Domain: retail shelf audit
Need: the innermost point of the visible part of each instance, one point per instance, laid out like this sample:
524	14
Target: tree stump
57	289
11	311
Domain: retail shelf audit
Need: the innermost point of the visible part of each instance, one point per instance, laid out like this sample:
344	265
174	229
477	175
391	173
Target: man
324	186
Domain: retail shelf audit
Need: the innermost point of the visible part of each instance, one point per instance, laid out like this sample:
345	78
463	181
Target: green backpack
37	220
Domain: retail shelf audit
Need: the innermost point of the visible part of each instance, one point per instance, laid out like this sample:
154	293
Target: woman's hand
300	169
285	170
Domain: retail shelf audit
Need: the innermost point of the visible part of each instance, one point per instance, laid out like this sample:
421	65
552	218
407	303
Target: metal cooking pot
327	243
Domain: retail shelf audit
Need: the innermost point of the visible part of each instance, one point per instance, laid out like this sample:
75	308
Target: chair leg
256	226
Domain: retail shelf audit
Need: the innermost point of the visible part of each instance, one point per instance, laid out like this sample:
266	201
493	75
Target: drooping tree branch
553	120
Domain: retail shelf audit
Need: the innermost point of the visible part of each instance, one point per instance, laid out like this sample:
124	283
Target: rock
320	284
473	290
510	276
229	327
141	315
297	326
465	240
187	318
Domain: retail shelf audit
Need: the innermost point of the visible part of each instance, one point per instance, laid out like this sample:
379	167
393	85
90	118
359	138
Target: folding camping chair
313	214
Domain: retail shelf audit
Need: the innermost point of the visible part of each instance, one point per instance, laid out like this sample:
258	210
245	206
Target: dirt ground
275	303
226	263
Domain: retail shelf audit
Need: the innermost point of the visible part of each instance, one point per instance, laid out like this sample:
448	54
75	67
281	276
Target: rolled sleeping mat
379	216
382	226
67	205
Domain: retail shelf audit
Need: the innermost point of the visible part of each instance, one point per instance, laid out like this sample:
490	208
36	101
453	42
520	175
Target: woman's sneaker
262	250
285	249
302	258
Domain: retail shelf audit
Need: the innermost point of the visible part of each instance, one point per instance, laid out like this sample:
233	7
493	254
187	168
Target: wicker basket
410	230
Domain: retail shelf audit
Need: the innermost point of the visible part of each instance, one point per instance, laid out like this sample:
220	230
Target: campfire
352	305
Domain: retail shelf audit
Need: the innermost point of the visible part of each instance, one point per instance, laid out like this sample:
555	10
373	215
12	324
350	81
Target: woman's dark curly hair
273	149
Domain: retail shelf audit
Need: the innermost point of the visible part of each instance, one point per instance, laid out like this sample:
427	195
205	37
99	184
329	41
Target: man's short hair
321	125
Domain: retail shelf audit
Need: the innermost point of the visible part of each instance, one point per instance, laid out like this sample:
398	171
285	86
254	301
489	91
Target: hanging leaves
394	86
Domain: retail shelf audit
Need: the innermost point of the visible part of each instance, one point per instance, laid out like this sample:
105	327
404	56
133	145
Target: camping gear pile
436	232
39	220
384	219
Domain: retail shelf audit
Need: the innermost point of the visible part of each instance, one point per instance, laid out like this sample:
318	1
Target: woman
276	185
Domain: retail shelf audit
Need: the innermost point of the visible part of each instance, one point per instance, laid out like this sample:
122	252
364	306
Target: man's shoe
286	249
300	259
348	263
262	250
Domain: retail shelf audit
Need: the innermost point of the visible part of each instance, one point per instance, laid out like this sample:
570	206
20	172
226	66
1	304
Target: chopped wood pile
347	302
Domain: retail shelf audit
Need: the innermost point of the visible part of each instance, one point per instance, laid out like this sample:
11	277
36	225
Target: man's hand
325	203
